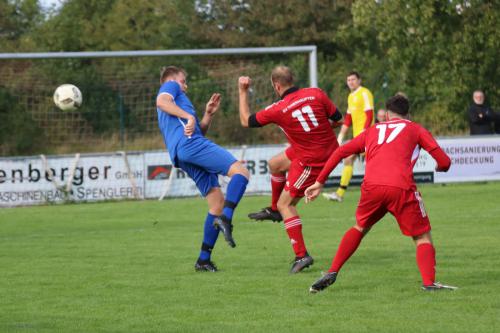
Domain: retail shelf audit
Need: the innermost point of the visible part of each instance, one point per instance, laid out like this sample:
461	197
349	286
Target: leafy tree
437	52
17	19
19	134
233	23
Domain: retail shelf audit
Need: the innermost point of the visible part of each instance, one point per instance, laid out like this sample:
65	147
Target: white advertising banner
159	171
163	179
256	159
472	159
96	177
33	180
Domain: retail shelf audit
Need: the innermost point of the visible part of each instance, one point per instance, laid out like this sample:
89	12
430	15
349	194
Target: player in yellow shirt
360	116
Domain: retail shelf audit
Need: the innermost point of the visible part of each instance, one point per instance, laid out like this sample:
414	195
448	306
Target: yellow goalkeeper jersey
359	101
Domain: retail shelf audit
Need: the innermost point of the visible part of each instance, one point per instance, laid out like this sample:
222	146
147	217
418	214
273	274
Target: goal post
118	113
310	49
119	90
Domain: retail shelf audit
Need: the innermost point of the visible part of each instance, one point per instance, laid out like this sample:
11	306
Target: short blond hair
283	75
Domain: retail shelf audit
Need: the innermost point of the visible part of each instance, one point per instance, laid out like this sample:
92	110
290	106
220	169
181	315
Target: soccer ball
67	97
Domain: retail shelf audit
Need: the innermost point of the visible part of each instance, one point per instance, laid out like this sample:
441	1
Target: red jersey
303	114
392	149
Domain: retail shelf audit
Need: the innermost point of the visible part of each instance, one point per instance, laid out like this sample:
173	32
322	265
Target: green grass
128	267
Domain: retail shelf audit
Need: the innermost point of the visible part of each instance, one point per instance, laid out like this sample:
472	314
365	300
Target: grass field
128	267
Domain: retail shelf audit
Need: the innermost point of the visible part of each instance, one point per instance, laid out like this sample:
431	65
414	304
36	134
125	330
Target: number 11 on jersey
310	113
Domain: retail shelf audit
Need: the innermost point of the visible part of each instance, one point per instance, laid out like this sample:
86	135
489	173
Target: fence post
122	120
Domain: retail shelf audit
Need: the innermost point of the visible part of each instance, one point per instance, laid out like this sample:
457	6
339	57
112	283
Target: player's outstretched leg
235	190
210	235
426	262
271	213
278	181
293	226
437	286
278	166
348	245
324	282
215	200
266	213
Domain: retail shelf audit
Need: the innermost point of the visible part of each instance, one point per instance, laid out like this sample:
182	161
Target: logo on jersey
300	101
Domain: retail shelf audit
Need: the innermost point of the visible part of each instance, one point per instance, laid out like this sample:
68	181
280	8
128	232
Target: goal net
118	114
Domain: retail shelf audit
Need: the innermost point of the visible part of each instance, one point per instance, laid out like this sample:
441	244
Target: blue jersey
199	157
172	127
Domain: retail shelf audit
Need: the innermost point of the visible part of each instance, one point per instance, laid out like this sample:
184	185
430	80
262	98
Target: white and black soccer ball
68	97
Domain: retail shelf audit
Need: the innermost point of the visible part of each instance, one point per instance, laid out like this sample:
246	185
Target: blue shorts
203	161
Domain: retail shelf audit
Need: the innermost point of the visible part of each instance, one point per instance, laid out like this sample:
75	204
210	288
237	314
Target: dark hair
283	75
169	71
398	104
356	74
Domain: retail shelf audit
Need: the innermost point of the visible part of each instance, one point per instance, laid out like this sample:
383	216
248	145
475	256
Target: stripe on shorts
303	177
421	204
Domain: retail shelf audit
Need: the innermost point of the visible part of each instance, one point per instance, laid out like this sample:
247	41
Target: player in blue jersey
200	158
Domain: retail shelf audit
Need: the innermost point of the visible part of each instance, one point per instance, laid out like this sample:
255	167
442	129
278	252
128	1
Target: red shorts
406	206
290	153
300	177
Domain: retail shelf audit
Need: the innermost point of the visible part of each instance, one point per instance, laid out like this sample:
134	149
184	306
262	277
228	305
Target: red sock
347	247
293	227
426	262
278	181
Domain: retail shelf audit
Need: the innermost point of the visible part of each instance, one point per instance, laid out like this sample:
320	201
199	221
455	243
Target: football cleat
326	280
205	266
225	225
436	286
266	213
333	197
301	263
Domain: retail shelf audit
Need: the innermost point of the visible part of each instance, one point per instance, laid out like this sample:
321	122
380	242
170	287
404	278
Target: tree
19	134
437	52
17	19
233	23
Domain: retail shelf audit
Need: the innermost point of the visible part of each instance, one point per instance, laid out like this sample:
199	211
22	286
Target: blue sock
210	234
235	189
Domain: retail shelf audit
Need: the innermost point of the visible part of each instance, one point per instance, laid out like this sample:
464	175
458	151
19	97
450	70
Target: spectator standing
481	117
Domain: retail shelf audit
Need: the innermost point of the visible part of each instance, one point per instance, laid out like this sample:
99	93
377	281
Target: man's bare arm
244	83
211	108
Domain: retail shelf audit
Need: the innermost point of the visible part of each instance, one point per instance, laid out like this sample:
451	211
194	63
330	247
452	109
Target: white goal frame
309	49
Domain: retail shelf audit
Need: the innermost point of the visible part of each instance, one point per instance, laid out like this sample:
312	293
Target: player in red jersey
392	149
304	115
